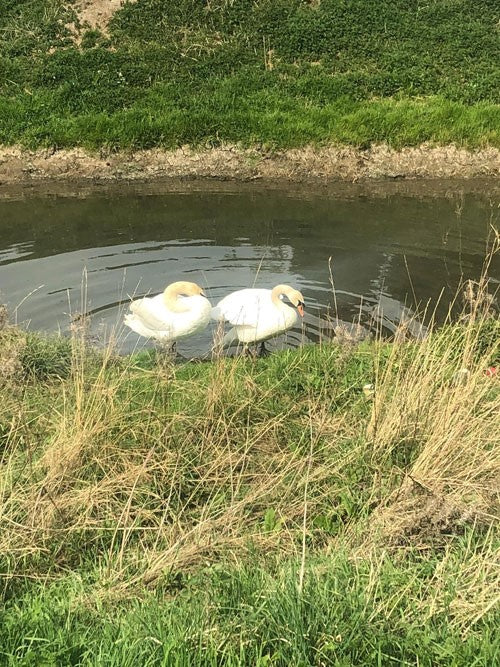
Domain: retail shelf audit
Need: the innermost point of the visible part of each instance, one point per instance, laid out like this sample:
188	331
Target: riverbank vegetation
261	512
274	73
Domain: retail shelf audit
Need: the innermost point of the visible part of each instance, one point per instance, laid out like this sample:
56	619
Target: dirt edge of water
380	162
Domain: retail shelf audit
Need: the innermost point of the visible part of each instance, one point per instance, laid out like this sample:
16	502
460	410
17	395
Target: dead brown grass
441	411
185	487
13	342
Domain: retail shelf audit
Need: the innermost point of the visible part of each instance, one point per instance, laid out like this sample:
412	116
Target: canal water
372	256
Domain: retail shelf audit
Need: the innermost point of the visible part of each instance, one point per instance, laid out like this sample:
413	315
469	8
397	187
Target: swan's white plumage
246	307
254	315
151	318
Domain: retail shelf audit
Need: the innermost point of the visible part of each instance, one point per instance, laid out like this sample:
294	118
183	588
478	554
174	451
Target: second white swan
259	314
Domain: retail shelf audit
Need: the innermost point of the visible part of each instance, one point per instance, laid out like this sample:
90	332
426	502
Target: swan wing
149	317
138	326
245	307
152	313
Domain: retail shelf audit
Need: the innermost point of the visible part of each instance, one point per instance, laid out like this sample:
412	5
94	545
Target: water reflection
389	254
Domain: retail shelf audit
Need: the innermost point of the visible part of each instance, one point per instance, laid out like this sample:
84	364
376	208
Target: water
392	247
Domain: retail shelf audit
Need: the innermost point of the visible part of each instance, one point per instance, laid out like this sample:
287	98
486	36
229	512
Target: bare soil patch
97	13
18	165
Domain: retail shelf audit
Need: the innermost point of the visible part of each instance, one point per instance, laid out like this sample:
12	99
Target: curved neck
275	295
171	300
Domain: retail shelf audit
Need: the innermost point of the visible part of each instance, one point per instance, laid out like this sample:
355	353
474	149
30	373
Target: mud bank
233	163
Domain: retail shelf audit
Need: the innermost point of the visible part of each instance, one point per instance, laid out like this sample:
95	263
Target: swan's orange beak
300	308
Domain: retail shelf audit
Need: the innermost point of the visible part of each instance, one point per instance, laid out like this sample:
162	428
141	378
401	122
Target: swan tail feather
216	314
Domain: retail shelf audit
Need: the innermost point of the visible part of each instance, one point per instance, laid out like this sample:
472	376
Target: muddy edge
327	164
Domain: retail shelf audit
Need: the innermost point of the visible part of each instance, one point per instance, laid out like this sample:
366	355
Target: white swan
258	314
179	311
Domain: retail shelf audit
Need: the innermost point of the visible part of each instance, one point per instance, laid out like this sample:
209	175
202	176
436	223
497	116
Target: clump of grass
10	353
4	316
45	357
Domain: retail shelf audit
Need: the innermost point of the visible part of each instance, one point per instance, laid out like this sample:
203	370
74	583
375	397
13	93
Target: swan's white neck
276	292
171	297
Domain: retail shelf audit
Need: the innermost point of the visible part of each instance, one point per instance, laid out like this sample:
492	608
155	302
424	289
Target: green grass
251	512
347	613
280	73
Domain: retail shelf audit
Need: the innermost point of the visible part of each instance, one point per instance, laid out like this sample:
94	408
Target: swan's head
184	288
175	290
294	296
297	300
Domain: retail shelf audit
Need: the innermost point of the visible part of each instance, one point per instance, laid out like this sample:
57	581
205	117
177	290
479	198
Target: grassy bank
279	73
251	512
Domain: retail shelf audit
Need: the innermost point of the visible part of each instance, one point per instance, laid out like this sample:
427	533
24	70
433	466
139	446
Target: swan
180	310
258	314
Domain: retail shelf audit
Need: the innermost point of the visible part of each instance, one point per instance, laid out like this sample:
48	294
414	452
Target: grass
279	73
256	512
349	612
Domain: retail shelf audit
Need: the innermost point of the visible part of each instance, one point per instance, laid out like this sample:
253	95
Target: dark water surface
391	248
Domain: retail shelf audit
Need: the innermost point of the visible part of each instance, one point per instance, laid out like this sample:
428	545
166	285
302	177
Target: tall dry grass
437	408
115	463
